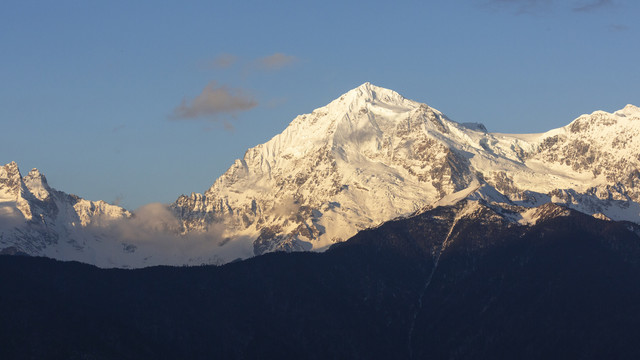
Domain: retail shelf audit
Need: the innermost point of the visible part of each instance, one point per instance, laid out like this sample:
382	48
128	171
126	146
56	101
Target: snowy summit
371	155
365	158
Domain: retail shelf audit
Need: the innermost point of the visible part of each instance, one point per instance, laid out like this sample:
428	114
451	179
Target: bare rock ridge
365	158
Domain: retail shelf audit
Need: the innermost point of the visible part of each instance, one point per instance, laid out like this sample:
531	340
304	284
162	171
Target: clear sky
135	102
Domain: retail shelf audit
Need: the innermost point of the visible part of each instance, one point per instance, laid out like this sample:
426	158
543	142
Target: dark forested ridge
438	285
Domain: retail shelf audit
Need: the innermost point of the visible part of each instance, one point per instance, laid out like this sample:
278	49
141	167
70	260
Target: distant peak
11	165
34	172
629	110
10	170
36	175
37	184
600	118
366	90
372	93
369	88
10	176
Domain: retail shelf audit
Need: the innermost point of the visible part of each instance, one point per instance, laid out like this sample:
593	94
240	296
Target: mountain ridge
365	158
459	281
38	220
416	146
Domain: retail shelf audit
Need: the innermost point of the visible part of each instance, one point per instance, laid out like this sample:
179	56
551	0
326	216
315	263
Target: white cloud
275	61
154	236
224	61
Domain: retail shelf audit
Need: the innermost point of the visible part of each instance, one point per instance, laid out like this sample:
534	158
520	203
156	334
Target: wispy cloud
273	103
228	126
590	6
273	62
276	61
520	6
212	101
119	128
618	27
223	61
545	6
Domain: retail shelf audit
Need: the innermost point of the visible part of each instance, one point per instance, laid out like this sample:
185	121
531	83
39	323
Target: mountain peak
35	173
372	92
368	87
368	93
11	168
37	184
619	122
364	99
10	174
629	110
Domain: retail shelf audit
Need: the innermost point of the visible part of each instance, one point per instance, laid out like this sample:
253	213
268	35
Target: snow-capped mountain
372	155
368	157
460	281
36	219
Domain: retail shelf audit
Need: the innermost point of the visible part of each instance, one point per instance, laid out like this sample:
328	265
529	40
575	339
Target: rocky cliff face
372	155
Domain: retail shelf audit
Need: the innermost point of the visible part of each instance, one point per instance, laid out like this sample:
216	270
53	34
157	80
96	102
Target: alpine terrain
36	219
368	157
462	281
372	155
442	241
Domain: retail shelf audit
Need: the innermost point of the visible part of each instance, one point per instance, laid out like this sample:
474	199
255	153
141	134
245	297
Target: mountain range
429	238
364	159
461	281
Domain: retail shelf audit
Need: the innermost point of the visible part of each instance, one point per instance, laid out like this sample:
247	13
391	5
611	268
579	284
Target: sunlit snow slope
372	155
36	219
367	157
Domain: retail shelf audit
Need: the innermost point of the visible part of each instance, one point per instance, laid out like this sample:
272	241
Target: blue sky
141	101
